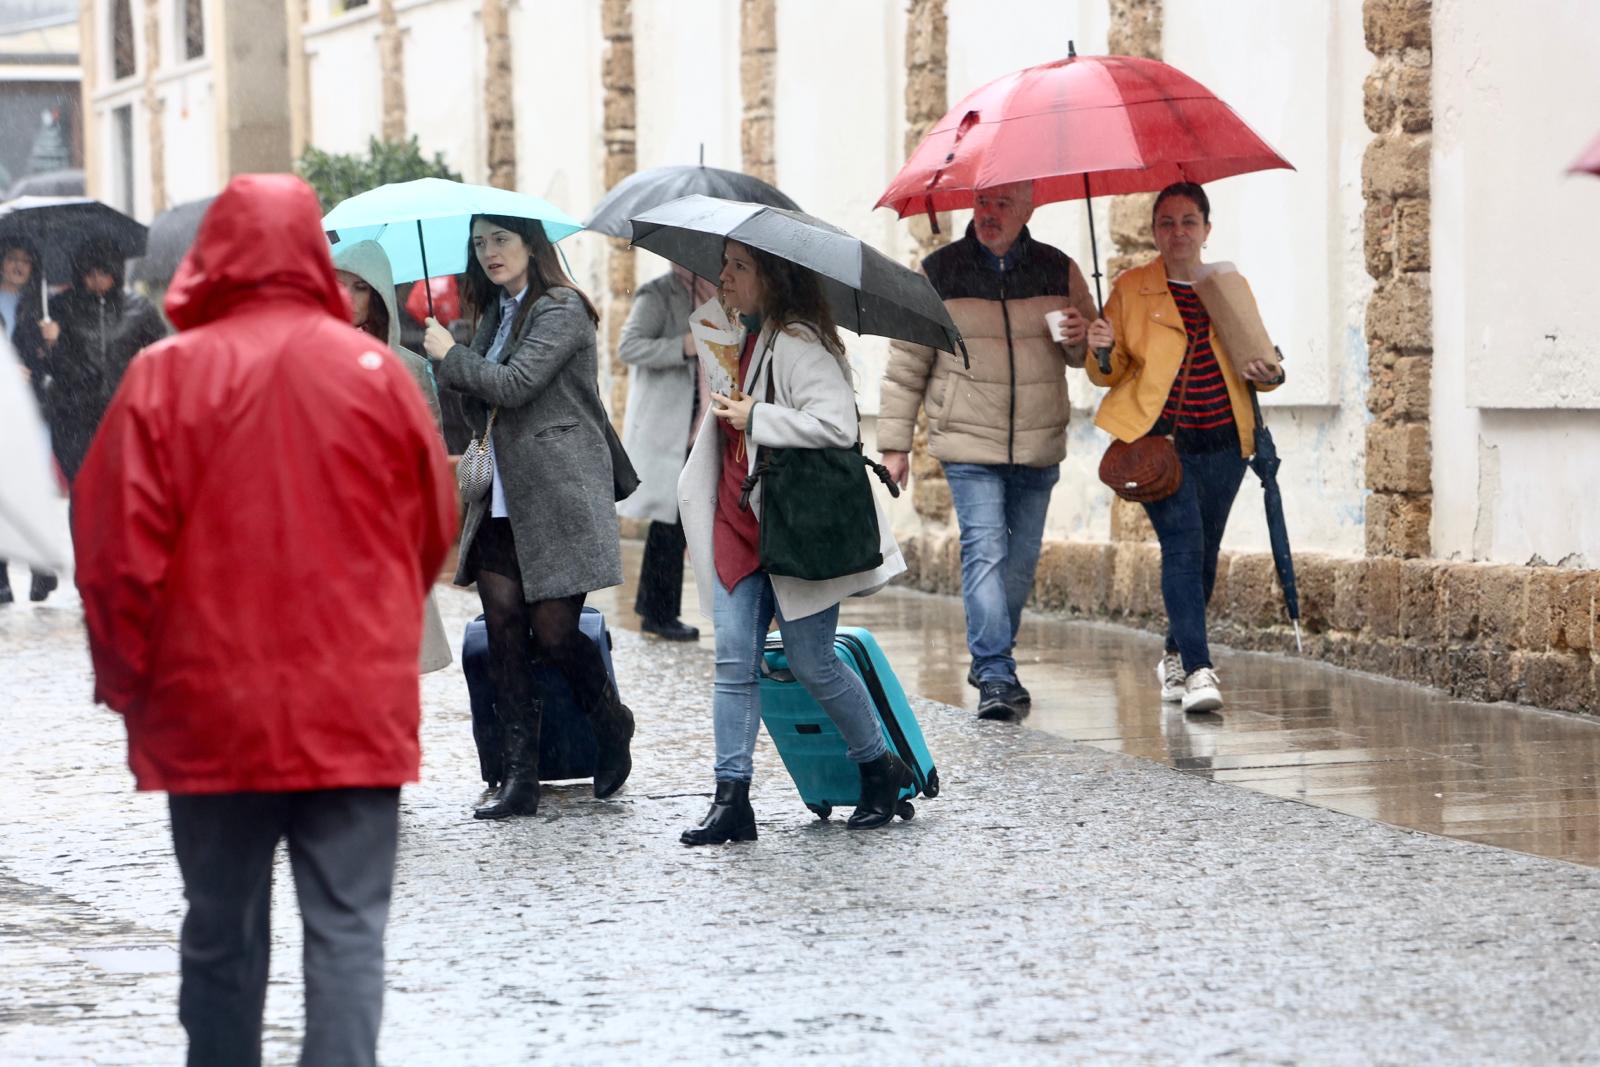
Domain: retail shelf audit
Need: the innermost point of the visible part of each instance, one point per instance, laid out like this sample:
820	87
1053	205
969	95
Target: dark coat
549	440
99	338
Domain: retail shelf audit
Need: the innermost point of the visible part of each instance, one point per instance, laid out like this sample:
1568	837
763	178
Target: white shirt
497	352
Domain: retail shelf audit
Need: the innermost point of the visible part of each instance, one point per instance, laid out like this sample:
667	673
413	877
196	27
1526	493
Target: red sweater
736	534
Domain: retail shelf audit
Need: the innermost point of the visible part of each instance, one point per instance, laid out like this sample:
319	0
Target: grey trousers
342	852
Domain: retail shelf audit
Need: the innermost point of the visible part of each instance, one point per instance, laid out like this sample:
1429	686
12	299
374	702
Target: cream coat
814	407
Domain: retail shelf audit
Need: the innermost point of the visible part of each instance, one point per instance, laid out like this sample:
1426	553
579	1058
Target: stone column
391	60
927	99
1135	31
1395	183
621	160
758	62
155	107
499	105
296	12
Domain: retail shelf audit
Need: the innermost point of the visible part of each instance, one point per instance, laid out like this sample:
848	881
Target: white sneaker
1202	691
1170	672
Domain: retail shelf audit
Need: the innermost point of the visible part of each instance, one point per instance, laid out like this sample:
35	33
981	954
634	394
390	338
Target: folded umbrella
58	226
1082	126
867	292
647	189
424	225
1265	463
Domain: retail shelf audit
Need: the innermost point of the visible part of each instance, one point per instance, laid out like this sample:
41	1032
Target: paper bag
1226	296
719	338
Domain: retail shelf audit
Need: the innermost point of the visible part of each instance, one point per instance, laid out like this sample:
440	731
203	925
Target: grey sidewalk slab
1056	903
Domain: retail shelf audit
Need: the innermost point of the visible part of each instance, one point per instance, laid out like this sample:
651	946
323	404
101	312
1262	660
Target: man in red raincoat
257	521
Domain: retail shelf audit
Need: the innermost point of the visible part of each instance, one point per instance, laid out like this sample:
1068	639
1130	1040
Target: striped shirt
1205	423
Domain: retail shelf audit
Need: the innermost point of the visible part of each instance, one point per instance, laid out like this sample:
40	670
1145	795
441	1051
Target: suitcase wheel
823	811
932	788
906	811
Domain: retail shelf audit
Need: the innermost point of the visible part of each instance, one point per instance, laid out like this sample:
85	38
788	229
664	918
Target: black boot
731	817
613	729
519	790
5	585
881	782
44	583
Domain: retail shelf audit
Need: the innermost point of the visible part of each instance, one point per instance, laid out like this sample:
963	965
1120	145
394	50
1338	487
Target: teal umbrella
424	225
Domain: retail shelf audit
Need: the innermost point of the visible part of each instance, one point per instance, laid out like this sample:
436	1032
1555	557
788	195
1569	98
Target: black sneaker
1019	695
997	701
669	629
972	677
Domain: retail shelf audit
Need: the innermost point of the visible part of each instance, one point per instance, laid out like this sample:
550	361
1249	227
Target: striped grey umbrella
868	292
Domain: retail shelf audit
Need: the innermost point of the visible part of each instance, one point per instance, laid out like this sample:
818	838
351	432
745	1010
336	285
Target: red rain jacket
258	520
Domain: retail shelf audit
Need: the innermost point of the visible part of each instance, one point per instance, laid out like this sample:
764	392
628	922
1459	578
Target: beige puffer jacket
1011	405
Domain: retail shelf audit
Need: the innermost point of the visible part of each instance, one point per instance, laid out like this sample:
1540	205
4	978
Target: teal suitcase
812	749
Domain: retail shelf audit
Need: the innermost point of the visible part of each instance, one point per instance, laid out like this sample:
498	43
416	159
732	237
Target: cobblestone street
1056	903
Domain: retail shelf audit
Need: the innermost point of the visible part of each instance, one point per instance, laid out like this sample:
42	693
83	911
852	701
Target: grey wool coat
655	429
550	443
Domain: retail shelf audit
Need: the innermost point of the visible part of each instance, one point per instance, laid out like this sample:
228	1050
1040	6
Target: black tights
544	633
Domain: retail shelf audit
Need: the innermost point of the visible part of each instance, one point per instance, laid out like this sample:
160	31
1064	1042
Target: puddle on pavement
1515	777
133	959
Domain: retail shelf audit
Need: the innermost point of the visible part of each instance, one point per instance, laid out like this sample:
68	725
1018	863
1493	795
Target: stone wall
758	72
1478	631
499	109
1395	183
155	107
391	61
621	159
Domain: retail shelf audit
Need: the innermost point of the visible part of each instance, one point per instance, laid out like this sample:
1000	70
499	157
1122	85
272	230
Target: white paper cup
1057	322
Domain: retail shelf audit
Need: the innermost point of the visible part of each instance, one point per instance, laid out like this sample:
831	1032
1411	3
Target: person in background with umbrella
1170	377
19	316
546	535
102	327
664	408
363	272
792	353
1000	426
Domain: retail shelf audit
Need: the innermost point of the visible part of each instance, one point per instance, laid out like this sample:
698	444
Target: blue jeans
741	617
1000	509
1189	524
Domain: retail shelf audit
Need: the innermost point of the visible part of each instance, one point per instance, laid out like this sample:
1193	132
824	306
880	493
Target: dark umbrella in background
1265	463
867	292
171	234
50	183
58	226
648	189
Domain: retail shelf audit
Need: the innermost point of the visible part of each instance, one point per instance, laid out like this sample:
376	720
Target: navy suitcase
812	749
567	746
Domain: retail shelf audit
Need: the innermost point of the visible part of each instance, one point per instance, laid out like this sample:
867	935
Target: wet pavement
1058	902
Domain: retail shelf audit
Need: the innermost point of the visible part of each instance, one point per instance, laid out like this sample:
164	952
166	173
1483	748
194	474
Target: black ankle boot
881	782
731	817
42	586
519	790
613	729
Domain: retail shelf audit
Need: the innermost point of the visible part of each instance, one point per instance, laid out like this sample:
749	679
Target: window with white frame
191	36
124	58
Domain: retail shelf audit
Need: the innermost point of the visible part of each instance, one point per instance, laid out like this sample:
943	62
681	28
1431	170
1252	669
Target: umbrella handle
427	284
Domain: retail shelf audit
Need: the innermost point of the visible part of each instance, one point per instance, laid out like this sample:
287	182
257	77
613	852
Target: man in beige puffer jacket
998	426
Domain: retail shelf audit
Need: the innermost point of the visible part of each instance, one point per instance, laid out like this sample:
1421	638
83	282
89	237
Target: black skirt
494	549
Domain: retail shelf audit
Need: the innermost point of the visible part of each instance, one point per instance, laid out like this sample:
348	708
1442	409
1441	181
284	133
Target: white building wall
1516	371
189	123
442	42
345	81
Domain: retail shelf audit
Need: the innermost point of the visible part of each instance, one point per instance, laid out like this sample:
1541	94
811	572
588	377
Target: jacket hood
262	237
368	261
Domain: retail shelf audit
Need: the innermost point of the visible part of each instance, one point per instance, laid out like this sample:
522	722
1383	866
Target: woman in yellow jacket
1155	324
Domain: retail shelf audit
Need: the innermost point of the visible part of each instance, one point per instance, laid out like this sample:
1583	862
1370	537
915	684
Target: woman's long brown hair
792	296
544	269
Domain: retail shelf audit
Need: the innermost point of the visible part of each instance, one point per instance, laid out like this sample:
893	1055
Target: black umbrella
58	226
868	292
638	193
171	234
50	183
1265	463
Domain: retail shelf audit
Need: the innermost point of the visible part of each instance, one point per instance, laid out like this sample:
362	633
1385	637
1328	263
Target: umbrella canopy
59	225
1589	162
868	292
424	225
1078	127
171	234
647	189
33	527
50	183
1265	463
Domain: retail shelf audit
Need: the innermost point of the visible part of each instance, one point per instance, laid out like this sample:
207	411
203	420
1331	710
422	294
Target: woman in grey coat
363	269
663	415
547	534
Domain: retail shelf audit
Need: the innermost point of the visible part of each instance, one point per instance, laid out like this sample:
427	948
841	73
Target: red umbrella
1079	127
1589	162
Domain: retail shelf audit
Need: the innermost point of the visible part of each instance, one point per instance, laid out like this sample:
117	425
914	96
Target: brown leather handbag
1148	469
